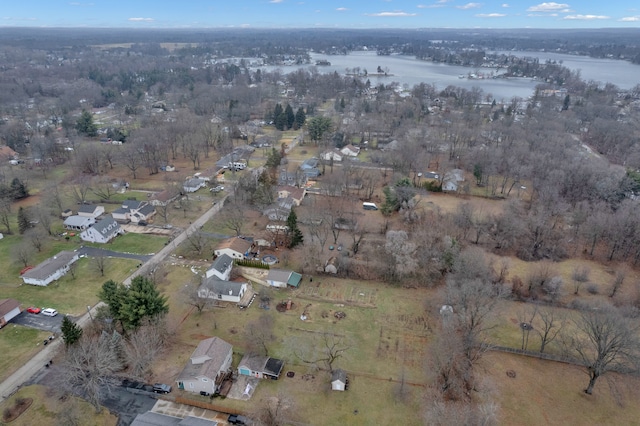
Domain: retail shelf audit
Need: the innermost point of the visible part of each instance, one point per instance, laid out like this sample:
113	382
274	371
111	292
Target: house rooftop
78	221
50	266
208	356
237	244
7	305
133	204
221	263
87	208
218	286
105	225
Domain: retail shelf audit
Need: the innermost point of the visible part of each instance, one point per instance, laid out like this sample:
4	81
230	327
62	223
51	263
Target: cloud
585	17
490	15
141	19
430	6
549	7
276	1
505	5
342	9
469	6
397	13
630	19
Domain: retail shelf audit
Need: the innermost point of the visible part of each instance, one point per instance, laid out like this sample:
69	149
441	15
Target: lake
408	72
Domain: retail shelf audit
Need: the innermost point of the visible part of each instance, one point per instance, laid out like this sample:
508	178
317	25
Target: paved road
36	364
95	251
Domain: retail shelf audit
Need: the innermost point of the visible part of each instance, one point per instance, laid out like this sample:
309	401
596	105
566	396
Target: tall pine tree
71	332
294	233
301	117
23	221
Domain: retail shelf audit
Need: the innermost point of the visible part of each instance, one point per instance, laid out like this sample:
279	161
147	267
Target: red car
33	310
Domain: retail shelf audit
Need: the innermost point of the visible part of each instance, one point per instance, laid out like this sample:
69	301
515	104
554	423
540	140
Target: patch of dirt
20	405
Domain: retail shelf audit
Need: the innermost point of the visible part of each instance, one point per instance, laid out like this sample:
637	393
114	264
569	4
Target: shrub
592	288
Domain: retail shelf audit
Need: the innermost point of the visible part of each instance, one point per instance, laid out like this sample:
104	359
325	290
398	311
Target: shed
9	309
339	380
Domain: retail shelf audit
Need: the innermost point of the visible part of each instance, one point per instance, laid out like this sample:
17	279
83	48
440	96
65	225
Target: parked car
218	188
50	312
236	419
33	310
161	388
142	223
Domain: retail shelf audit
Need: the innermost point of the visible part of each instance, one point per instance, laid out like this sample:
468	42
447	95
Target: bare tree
37	237
274	411
23	253
579	275
144	345
197	242
103	187
80	189
606	342
89	366
525	320
45	218
549	325
234	217
132	159
100	263
259	333
326	349
5	213
621	274
192	297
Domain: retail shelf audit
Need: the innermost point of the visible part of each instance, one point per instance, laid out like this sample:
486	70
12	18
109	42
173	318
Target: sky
320	14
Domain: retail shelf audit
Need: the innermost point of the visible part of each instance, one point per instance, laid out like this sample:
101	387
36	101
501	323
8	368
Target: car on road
161	388
50	312
236	419
33	310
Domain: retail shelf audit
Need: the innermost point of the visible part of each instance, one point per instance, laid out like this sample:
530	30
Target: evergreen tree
18	189
300	118
290	116
318	126
294	233
277	112
85	124
280	121
273	159
23	221
130	305
71	332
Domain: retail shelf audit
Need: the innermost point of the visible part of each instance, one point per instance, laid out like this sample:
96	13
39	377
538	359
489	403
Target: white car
50	312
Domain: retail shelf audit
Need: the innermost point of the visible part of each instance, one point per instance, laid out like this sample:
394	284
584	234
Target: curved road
37	362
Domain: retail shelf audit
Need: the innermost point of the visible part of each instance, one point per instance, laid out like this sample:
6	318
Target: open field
18	343
48	409
134	243
546	392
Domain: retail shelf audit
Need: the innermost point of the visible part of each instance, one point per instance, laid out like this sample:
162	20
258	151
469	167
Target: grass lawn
134	243
18	343
48	409
551	393
71	295
387	341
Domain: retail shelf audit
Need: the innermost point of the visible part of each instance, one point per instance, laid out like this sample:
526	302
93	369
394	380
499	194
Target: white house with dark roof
193	184
222	290
207	366
78	223
103	231
90	210
350	150
235	247
51	269
134	211
221	267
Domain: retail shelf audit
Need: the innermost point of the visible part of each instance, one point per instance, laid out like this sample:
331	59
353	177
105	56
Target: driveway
39	321
95	251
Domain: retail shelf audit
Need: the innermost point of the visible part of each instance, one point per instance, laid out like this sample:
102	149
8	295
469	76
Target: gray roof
78	221
193	182
133	204
7	305
121	210
264	364
221	263
213	348
146	210
339	374
87	208
51	265
107	225
279	275
218	286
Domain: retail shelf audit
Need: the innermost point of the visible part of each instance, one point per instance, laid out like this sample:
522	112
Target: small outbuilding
9	309
339	380
261	367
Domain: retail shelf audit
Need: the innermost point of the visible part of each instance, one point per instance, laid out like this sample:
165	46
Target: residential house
193	184
103	231
207	367
350	150
296	178
9	309
51	269
261	367
66	213
164	197
7	154
221	267
276	213
222	290
236	248
295	193
332	155
78	223
134	211
90	210
451	180
339	380
283	278
312	173
309	163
